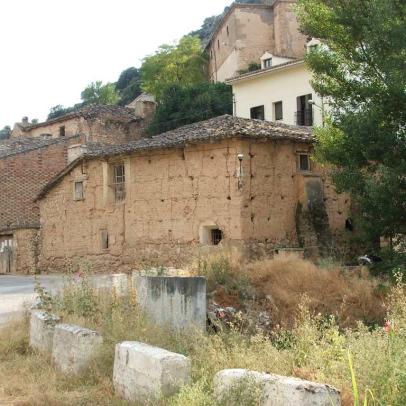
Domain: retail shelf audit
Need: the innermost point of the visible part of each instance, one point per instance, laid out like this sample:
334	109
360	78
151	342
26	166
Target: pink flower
388	327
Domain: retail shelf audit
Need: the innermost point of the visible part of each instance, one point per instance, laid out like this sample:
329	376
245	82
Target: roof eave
263	72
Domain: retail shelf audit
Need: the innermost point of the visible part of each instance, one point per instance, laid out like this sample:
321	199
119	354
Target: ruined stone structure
224	179
247	31
107	124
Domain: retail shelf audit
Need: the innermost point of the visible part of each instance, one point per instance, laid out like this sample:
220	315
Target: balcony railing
304	117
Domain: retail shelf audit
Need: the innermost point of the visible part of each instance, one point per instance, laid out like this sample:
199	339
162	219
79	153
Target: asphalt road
17	292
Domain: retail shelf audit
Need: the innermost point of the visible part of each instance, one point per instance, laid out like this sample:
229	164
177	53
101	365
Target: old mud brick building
101	123
247	31
32	157
225	179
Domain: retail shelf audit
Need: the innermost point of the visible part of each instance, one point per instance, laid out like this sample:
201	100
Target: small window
228	32
104	237
216	236
268	63
278	110
119	182
79	195
304	162
62	131
258	113
218	44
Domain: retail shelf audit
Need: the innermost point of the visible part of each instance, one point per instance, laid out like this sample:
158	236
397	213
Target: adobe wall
113	132
73	126
171	195
26	250
97	129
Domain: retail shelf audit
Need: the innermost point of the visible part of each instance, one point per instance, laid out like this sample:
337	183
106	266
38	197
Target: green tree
361	70
128	85
182	105
5	132
59	110
182	64
97	93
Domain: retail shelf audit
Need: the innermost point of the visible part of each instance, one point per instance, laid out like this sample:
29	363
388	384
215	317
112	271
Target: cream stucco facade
284	83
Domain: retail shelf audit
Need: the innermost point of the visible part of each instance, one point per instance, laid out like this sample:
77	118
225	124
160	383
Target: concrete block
177	302
232	385
74	347
144	373
119	282
42	329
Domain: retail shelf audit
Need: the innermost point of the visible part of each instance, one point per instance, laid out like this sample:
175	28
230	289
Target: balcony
304	117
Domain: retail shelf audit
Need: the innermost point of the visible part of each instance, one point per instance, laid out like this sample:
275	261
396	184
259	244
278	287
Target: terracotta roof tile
214	129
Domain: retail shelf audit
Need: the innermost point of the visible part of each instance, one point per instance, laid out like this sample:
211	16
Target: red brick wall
21	178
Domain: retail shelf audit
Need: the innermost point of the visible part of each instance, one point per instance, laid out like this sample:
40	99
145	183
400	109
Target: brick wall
22	177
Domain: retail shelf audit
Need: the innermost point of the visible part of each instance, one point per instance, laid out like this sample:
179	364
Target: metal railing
304	117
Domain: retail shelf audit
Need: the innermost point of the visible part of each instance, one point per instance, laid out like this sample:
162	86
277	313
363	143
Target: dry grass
350	296
279	285
315	348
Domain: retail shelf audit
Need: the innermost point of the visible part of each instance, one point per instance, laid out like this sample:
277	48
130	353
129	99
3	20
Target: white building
280	91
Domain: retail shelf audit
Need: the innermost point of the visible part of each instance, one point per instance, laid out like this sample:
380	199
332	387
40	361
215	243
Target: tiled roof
212	130
20	145
112	112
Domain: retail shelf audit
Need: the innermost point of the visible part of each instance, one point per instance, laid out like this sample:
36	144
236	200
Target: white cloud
51	49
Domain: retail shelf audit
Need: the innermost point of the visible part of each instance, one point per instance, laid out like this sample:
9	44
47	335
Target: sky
52	49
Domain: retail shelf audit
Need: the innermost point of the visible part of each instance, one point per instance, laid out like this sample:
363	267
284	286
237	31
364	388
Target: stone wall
26	250
96	129
248	31
174	197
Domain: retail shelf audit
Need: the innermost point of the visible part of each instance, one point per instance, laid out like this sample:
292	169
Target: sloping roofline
208	131
91	110
22	145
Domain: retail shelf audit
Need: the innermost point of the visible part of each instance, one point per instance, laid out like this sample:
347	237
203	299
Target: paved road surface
17	292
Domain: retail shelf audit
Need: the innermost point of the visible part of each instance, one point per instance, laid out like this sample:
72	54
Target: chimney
25	120
75	151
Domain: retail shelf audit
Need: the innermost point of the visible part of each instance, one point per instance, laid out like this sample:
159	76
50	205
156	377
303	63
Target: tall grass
315	347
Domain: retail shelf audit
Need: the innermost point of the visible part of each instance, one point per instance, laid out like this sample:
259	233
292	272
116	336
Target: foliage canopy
184	105
5	132
182	64
361	71
128	85
97	93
